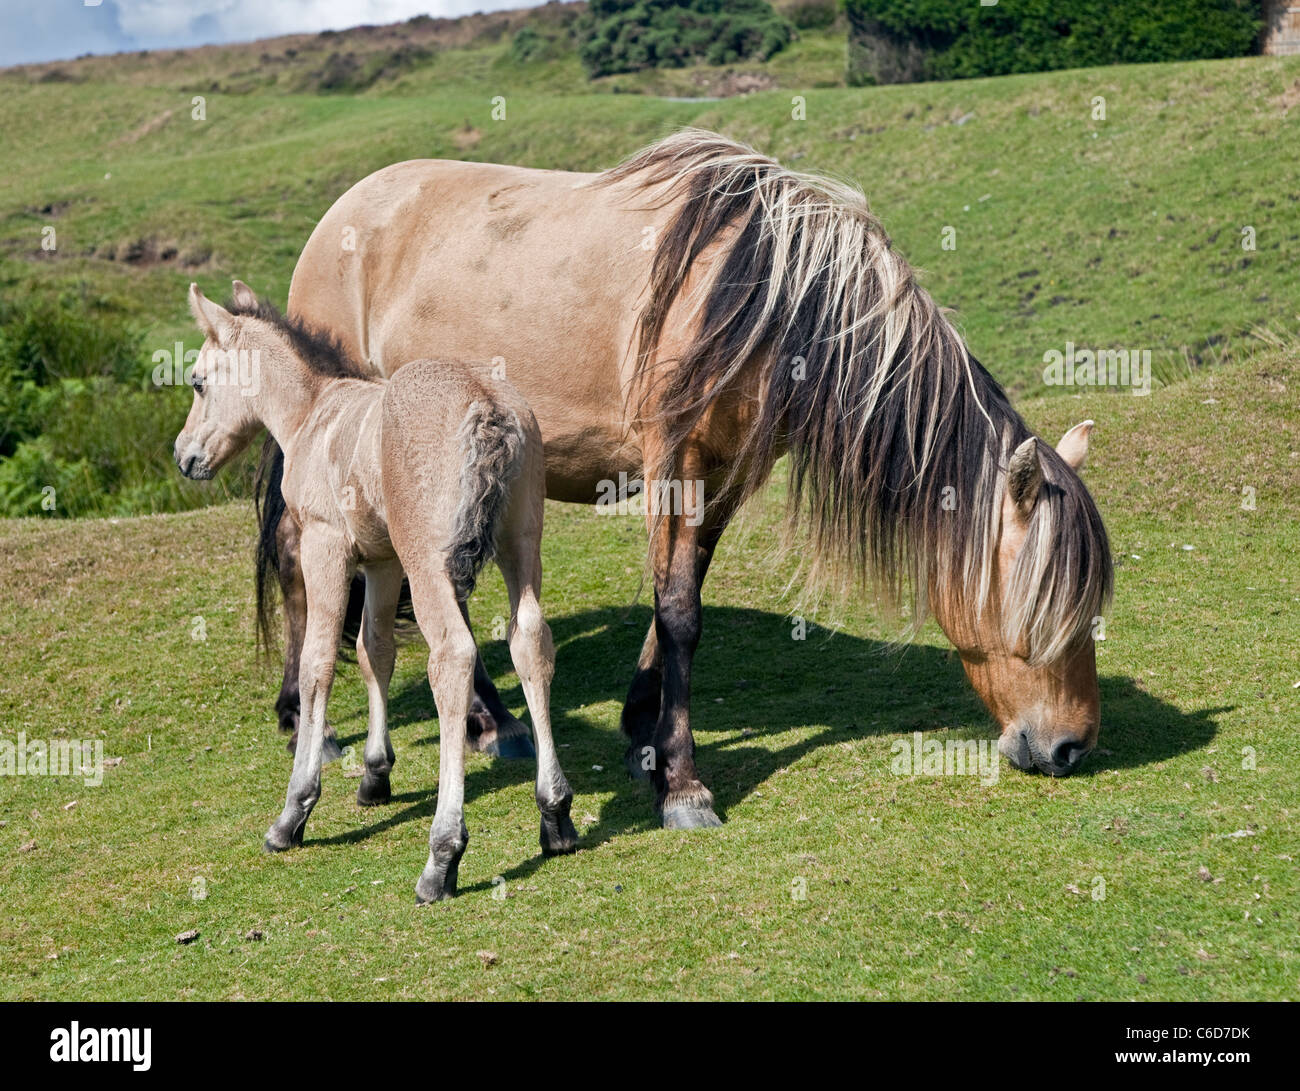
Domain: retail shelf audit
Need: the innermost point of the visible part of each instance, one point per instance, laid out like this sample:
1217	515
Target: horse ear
213	319
1025	476
244	295
1074	444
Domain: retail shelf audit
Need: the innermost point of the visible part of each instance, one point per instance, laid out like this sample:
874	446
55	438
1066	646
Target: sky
48	30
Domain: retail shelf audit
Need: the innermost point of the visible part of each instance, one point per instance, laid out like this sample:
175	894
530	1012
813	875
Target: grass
927	887
1117	233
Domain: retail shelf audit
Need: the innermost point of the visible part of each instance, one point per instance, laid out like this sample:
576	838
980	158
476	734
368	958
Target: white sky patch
44	30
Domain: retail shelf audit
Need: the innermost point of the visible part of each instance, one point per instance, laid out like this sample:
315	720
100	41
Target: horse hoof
330	750
515	745
429	890
374	791
637	758
685	816
273	844
559	838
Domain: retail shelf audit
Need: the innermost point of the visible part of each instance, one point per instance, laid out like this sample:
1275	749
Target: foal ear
1025	476
213	319
1074	444
244	295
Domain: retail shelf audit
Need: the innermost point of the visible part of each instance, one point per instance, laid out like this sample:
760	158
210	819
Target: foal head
1029	652
226	377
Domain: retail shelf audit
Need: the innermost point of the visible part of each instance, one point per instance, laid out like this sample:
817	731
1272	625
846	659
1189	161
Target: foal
433	472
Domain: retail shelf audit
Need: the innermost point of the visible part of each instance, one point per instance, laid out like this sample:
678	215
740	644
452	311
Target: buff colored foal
433	472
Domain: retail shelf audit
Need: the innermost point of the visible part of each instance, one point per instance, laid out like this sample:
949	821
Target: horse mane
898	439
320	350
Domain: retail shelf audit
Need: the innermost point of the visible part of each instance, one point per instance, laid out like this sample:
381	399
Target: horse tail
492	443
268	501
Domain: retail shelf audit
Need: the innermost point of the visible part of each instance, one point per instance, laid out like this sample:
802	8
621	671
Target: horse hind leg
294	593
451	677
533	652
376	653
492	729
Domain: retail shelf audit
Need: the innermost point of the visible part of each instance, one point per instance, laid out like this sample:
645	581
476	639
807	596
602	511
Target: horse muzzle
1062	755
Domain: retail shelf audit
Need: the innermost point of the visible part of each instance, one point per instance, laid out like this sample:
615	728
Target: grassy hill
138	630
1125	232
927	887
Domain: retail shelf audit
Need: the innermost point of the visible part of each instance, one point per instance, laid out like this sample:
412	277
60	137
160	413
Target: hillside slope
1164	870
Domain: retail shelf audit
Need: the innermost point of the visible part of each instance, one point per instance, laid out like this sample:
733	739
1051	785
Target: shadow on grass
752	685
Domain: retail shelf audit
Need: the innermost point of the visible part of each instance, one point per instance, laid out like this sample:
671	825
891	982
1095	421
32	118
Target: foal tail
492	443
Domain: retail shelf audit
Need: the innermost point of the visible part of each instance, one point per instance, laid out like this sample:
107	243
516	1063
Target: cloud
44	30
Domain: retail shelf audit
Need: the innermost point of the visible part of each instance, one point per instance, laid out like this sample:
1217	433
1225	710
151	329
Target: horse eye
197	383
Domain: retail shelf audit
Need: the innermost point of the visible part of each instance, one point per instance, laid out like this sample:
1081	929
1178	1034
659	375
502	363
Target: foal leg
288	704
376	651
327	568
451	677
492	728
533	652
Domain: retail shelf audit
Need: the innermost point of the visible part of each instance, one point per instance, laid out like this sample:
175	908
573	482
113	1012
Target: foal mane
320	350
898	438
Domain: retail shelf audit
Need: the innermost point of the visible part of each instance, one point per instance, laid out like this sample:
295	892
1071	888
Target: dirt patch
466	136
141	131
1288	98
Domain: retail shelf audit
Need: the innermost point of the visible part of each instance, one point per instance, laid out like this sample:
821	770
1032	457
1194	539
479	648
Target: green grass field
1165	870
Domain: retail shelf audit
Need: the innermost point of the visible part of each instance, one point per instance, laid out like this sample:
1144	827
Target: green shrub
629	35
897	41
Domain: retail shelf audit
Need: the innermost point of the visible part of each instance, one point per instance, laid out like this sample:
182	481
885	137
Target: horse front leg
376	653
644	696
327	571
680	553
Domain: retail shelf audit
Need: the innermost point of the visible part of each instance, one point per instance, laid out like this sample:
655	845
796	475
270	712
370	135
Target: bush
629	35
897	41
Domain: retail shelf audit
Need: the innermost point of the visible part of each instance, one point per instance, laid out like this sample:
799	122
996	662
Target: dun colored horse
433	472
691	316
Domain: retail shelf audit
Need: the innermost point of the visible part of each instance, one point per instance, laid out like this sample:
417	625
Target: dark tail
269	503
492	442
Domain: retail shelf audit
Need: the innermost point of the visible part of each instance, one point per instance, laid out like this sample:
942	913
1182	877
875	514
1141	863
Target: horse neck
287	396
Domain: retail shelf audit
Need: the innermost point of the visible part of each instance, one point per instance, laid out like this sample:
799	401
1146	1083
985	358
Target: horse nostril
1068	753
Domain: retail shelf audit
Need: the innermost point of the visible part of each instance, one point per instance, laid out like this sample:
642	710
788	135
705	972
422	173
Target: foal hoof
374	790
559	838
435	887
277	842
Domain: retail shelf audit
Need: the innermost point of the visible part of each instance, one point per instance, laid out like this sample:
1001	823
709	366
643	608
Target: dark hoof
559	838
275	843
687	816
517	746
436	888
374	790
640	760
288	720
330	749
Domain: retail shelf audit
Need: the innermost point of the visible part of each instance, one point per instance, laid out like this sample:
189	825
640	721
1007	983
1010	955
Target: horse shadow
827	688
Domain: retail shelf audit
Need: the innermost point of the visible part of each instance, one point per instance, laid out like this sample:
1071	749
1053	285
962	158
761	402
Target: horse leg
451	677
376	652
679	556
492	729
641	709
287	705
327	570
533	651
